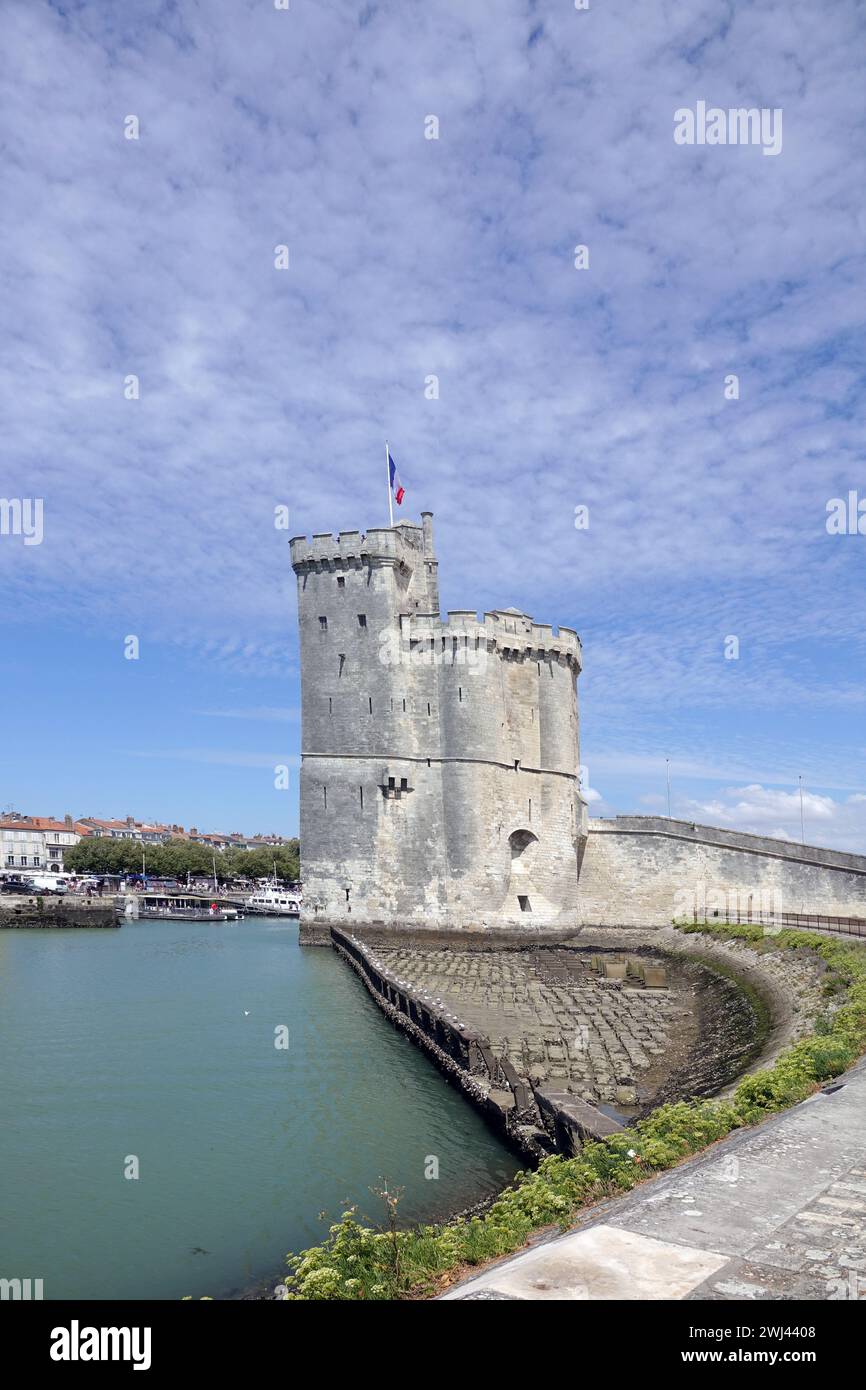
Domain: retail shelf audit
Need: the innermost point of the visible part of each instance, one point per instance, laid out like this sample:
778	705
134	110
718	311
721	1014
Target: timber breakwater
560	1045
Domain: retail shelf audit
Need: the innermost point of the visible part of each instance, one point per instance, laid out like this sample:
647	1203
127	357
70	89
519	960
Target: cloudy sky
410	257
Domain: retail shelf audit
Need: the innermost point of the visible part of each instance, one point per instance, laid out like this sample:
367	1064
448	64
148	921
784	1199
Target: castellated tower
439	768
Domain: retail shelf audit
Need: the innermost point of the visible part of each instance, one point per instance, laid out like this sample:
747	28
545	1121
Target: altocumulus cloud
455	257
837	823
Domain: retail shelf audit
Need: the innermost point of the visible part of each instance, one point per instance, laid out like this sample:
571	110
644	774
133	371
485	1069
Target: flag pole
388	472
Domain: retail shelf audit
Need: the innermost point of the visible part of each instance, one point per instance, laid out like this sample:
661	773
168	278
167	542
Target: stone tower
439	764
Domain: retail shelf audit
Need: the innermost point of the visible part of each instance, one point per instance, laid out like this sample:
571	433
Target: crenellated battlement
404	541
507	632
408	548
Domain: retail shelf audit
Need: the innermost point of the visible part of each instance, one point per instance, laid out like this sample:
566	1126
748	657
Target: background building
40	842
131	829
37	842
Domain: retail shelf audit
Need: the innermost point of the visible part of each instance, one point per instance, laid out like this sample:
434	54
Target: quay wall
460	1052
25	913
315	932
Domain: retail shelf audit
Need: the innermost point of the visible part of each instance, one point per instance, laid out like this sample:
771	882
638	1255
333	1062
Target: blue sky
409	257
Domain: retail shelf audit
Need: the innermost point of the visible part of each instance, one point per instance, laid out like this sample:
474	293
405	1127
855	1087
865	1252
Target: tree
98	854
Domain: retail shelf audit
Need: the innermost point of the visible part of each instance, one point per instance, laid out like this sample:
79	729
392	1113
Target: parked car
13	883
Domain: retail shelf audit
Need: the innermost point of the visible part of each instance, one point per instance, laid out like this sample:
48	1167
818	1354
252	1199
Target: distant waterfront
158	1041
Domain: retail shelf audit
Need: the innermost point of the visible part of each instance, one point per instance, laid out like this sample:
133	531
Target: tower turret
439	763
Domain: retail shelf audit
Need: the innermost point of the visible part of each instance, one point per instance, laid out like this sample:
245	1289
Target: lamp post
802	814
668	767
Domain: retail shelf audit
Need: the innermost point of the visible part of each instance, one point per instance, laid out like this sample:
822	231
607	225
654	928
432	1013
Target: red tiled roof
44	823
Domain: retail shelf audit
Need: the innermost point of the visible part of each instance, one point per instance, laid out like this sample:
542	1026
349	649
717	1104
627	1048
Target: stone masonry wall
55	912
648	871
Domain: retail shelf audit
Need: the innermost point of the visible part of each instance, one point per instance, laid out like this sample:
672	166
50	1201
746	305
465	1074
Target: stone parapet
651	871
723	838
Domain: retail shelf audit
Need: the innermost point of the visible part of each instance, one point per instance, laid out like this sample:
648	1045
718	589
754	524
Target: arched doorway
523	845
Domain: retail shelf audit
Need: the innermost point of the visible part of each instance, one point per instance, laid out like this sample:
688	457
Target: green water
136	1042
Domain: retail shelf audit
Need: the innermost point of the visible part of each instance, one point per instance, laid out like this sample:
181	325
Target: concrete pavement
774	1212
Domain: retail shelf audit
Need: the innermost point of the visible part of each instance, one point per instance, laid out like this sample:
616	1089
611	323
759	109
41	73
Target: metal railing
852	926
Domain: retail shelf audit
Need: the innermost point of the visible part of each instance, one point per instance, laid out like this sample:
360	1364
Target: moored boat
274	902
171	907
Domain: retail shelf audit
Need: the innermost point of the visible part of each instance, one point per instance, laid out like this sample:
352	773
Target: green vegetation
355	1262
176	858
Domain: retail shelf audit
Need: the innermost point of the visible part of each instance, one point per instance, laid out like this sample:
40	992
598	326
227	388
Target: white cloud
776	812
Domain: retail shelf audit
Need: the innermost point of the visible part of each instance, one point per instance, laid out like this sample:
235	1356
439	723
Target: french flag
396	486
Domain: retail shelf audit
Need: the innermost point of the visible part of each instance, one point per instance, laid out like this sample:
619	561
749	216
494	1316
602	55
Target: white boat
274	902
175	907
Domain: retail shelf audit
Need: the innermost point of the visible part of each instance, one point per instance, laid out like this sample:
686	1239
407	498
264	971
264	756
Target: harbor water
157	1050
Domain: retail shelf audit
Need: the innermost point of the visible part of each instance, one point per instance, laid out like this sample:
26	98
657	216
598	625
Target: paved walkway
775	1212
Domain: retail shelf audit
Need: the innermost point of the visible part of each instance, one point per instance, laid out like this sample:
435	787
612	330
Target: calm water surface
157	1041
